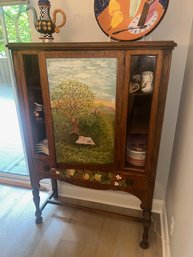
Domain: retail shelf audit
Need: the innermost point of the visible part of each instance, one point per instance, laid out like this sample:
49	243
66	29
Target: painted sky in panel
98	73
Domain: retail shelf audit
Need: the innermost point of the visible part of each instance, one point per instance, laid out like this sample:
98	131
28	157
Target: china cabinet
92	115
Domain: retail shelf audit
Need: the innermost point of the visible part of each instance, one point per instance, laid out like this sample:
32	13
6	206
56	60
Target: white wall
176	25
82	26
180	185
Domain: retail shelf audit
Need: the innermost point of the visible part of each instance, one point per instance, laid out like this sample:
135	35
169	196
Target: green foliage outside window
17	25
1	41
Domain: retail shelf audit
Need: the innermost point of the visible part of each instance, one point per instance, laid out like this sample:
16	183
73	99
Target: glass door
13	21
140	111
34	107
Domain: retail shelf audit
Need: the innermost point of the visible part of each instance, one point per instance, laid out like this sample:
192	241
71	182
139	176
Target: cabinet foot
144	245
39	220
36	199
146	225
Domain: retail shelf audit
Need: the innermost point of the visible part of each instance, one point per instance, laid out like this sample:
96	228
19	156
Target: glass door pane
140	97
35	105
12	156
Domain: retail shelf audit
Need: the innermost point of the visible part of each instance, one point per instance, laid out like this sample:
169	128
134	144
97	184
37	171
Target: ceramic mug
134	87
147	81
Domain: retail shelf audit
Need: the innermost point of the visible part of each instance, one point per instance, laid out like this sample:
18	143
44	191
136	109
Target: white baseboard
15	180
164	233
22	181
118	198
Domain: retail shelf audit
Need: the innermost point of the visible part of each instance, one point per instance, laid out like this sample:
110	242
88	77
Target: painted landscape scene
82	95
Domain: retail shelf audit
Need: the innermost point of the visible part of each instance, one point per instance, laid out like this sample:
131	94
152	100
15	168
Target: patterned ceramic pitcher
45	25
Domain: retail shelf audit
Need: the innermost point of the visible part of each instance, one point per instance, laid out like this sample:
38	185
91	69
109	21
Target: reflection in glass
139	108
36	108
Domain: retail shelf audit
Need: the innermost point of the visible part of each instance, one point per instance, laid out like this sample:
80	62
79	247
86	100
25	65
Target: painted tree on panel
74	100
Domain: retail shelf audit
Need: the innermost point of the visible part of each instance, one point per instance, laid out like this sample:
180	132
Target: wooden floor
66	231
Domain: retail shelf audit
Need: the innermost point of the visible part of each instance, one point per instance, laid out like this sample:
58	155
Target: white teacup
147	81
134	87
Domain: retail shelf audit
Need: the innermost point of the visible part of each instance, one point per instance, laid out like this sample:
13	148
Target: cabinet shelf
35	88
139	93
134	168
140	126
40	156
39	120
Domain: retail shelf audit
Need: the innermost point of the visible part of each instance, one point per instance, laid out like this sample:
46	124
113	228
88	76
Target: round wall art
125	20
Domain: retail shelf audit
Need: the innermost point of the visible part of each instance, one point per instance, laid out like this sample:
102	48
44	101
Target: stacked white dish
42	147
136	155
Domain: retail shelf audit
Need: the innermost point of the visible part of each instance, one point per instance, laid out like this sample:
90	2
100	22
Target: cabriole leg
146	225
36	199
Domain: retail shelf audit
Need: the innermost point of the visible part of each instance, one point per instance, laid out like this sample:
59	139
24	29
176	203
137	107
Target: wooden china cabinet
92	115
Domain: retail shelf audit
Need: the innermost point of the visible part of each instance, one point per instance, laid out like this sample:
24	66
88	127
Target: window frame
14	2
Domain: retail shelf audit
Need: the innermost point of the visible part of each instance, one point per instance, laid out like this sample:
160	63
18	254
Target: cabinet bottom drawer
134	184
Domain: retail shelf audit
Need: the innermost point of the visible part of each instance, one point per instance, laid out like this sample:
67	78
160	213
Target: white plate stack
136	155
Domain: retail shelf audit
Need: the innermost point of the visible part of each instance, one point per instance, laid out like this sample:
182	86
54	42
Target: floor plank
66	231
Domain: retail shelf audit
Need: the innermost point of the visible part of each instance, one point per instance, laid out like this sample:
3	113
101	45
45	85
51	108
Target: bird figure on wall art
45	25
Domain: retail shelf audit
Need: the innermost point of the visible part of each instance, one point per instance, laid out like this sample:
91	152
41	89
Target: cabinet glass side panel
140	95
35	104
82	94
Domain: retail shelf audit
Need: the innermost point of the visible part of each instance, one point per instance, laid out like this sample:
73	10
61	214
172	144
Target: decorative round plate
125	20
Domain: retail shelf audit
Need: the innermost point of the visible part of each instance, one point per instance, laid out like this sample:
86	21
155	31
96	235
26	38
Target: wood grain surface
67	231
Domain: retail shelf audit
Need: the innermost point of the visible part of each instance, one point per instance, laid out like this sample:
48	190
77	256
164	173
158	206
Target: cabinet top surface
93	45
